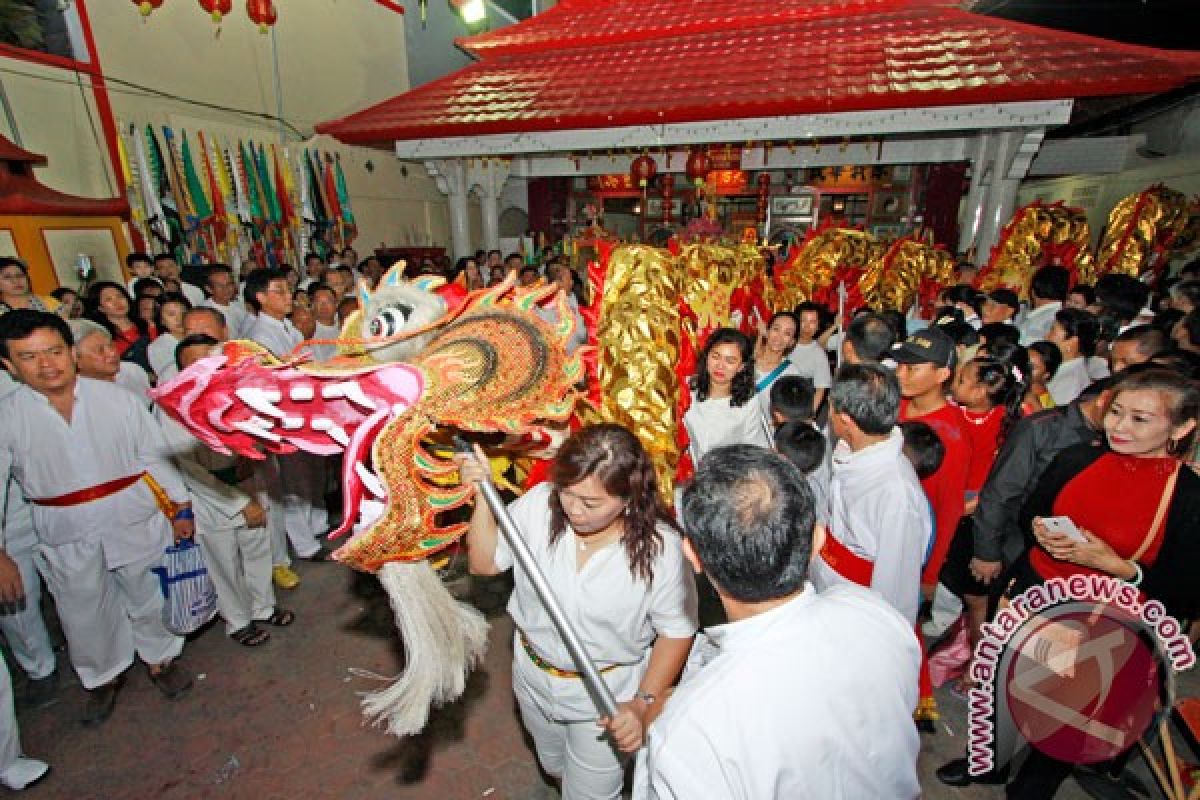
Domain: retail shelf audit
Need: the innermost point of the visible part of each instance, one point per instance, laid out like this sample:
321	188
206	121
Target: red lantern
261	12
145	7
217	8
698	166
643	170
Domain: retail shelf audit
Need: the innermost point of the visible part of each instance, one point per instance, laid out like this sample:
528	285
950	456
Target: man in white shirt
809	357
1074	332
21	586
1047	291
166	268
879	520
298	487
800	694
314	271
104	514
324	307
97	358
223	288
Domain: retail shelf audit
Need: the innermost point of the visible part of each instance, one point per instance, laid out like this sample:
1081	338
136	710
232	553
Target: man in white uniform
808	356
298	485
230	524
166	268
21	587
1047	292
97	358
801	694
223	288
879	519
1074	332
101	513
16	771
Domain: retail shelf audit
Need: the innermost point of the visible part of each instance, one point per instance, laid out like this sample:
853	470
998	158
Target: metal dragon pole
597	689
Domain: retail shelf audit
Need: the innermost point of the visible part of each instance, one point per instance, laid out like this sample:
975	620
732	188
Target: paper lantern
146	7
261	12
217	8
643	170
698	166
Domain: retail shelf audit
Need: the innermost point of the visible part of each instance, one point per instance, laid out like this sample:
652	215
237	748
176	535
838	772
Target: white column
488	177
1001	194
972	207
451	177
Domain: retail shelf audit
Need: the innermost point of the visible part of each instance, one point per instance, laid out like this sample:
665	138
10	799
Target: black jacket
1031	445
1171	580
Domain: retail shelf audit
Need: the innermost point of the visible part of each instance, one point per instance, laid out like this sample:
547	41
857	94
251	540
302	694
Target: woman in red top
1136	505
110	305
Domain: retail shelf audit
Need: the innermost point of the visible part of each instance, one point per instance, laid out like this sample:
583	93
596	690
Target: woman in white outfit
613	557
723	409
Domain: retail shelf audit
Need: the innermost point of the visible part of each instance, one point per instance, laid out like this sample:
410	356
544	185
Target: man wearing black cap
1002	305
925	365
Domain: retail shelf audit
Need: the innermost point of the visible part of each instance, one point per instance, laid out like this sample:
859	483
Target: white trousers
26	630
10	737
579	753
296	486
107	614
239	563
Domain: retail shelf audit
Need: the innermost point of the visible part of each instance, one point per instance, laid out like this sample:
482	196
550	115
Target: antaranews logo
1077	667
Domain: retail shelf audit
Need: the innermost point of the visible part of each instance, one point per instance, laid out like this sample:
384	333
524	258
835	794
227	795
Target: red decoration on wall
146	7
261	12
642	170
217	8
764	192
698	166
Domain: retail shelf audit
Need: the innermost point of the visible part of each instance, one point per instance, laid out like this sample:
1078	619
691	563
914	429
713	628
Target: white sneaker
23	772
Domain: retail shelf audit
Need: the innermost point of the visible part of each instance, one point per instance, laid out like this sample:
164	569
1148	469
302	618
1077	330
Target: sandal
281	618
250	636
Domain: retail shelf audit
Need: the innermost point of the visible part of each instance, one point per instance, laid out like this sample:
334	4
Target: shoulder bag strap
1163	504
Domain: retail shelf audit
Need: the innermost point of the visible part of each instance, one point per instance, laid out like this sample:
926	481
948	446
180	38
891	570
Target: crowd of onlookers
932	449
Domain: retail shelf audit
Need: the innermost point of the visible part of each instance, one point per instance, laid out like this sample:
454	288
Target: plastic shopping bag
191	599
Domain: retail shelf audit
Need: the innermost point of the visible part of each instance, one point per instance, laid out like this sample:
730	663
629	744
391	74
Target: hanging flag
168	194
344	200
201	204
213	188
320	207
329	183
271	206
156	220
307	213
287	213
224	204
137	214
233	166
252	191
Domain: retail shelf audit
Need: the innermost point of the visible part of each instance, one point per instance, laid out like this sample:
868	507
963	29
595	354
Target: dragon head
394	308
491	365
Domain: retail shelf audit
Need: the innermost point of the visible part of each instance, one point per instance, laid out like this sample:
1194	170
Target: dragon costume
490	365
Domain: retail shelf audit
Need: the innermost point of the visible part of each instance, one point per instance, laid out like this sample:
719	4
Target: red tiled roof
22	193
596	64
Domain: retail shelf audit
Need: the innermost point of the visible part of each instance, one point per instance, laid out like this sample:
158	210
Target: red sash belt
87	495
846	563
102	490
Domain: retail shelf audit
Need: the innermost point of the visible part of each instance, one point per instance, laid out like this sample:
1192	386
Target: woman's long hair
616	458
91	308
1004	373
743	383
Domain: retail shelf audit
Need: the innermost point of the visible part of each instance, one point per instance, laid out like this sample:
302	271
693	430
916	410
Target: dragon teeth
261	400
370	480
301	394
351	391
335	431
248	426
292	423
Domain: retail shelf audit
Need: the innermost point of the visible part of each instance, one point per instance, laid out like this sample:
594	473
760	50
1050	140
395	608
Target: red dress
946	488
984	432
1115	498
123	340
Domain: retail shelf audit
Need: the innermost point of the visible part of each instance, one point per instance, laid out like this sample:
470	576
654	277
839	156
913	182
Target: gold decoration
637	349
894	278
1039	235
816	261
1141	229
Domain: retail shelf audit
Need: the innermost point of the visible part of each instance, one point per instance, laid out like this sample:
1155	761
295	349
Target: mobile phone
1064	526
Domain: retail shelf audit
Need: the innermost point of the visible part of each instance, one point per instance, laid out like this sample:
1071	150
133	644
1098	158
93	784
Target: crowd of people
860	486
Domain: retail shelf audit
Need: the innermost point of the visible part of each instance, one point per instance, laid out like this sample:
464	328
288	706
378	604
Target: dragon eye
389	321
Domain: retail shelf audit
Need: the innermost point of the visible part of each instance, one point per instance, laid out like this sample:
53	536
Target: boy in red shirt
924	366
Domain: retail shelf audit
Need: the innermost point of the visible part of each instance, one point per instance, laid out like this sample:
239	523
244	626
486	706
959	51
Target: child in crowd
804	446
1044	360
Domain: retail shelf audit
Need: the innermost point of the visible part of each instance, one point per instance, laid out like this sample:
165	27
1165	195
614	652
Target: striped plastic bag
191	599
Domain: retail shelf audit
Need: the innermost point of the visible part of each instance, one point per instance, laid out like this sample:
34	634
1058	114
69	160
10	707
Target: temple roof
22	193
600	64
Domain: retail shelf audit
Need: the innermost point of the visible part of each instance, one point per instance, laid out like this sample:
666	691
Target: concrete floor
282	721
